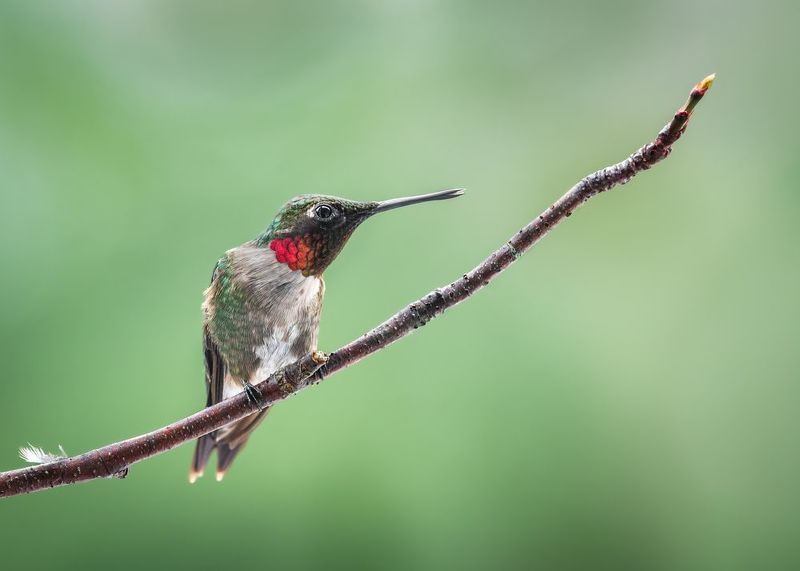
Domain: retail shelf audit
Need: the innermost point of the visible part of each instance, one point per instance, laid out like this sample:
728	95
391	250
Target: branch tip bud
704	85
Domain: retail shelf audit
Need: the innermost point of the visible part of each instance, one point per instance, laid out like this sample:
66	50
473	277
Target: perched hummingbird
261	311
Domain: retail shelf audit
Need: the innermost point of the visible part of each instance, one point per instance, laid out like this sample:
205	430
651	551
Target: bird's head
310	230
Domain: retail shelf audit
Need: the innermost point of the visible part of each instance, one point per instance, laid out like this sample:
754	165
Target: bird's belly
277	351
290	337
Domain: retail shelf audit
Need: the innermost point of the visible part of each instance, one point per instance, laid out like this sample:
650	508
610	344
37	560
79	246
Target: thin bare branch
115	459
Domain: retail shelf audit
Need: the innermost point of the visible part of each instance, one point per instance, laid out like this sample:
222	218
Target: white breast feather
276	351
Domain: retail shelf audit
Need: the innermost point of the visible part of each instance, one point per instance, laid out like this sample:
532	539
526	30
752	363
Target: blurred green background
624	397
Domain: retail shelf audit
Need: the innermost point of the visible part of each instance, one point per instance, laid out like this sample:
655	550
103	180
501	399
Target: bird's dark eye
323	211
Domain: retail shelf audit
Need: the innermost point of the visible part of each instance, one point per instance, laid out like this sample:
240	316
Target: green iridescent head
310	230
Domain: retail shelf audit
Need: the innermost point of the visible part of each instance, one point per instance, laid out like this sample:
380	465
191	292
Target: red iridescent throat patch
296	252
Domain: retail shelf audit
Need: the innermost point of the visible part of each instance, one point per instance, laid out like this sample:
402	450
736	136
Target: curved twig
113	460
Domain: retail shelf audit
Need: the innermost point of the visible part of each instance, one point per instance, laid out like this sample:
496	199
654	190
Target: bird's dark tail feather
225	456
205	446
227	441
232	439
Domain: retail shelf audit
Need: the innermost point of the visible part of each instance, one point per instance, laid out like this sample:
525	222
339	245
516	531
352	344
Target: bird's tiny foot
253	395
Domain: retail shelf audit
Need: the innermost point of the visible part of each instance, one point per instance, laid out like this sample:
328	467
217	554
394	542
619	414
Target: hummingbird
262	309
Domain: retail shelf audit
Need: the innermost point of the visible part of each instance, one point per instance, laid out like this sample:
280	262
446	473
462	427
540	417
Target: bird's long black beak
406	201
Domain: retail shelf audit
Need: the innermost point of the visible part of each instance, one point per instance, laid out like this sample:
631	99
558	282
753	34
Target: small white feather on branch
35	455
